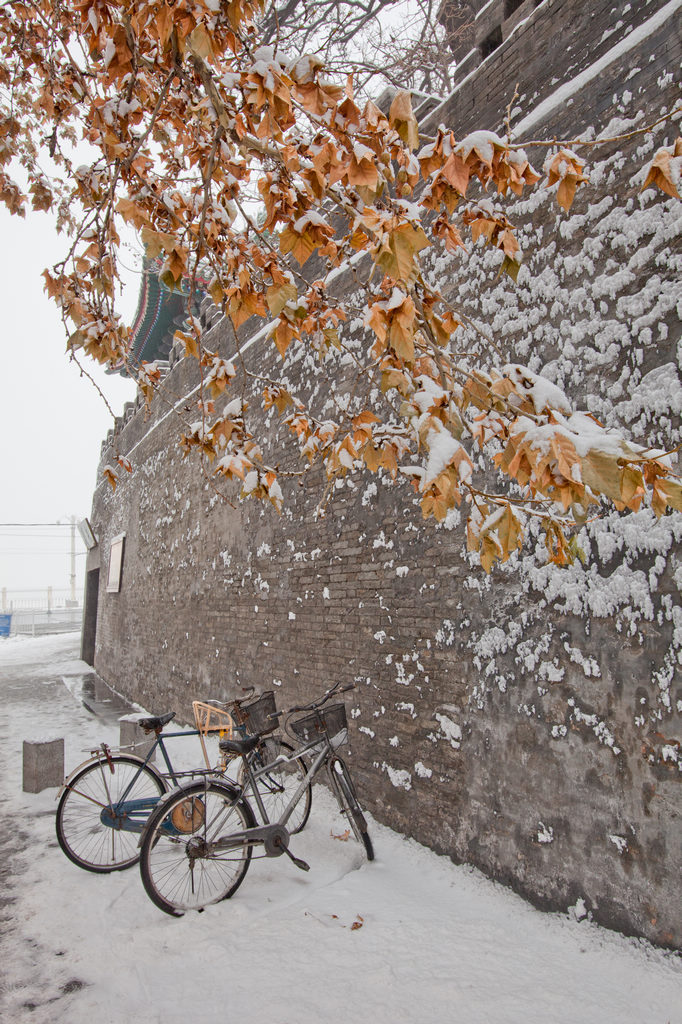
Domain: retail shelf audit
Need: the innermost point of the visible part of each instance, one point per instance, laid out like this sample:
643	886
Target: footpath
408	939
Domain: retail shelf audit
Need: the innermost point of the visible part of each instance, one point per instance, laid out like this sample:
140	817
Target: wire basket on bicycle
258	716
330	721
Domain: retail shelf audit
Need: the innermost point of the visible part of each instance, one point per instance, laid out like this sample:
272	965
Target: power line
60	536
69	524
61	552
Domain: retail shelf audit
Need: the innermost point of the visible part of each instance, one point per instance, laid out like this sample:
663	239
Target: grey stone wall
527	722
543	47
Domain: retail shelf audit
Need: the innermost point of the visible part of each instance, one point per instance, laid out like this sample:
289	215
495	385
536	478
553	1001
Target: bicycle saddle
155	723
244	746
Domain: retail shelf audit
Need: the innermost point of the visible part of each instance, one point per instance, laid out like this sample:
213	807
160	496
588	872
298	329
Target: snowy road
436	942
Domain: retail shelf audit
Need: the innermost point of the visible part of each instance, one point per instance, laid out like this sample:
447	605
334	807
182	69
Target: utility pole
73	561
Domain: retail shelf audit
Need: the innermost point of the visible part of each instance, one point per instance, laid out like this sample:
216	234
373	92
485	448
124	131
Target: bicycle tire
349	803
175	879
277	787
85	839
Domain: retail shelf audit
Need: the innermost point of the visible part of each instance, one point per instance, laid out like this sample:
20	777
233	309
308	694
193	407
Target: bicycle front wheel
349	804
182	862
102	811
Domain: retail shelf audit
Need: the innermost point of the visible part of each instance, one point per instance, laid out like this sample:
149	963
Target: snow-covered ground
408	939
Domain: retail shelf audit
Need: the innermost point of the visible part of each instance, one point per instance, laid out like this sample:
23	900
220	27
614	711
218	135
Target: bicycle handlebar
314	705
248	691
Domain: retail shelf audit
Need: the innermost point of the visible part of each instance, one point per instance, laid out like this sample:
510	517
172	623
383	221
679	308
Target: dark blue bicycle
105	802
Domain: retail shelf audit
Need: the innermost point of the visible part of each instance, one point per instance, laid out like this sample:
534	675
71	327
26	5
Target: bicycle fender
100	758
231	788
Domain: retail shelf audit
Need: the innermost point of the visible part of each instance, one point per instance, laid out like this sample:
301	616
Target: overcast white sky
52	422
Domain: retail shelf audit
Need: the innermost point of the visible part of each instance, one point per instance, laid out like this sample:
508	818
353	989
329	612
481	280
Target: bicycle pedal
297	860
302	864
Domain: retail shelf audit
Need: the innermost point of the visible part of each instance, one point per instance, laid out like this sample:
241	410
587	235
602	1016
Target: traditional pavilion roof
160	313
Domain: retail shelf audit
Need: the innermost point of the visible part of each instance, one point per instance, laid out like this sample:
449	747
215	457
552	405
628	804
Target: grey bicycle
199	840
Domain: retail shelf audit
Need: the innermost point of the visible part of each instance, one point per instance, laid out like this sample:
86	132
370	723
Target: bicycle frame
131	815
260	834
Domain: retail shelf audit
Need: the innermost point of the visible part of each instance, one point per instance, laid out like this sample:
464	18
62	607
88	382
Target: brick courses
214	598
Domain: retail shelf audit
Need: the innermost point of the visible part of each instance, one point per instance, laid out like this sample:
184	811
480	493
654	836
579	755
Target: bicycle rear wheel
102	811
180	867
344	789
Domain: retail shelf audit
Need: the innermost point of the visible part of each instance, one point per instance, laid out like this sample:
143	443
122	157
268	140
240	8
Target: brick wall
525	723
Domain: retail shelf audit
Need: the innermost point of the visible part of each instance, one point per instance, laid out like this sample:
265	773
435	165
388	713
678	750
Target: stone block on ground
43	764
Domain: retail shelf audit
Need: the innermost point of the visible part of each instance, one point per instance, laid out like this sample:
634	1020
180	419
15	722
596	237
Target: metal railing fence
36	612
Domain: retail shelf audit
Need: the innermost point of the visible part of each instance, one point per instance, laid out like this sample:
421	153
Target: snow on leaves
665	170
187	118
565	170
